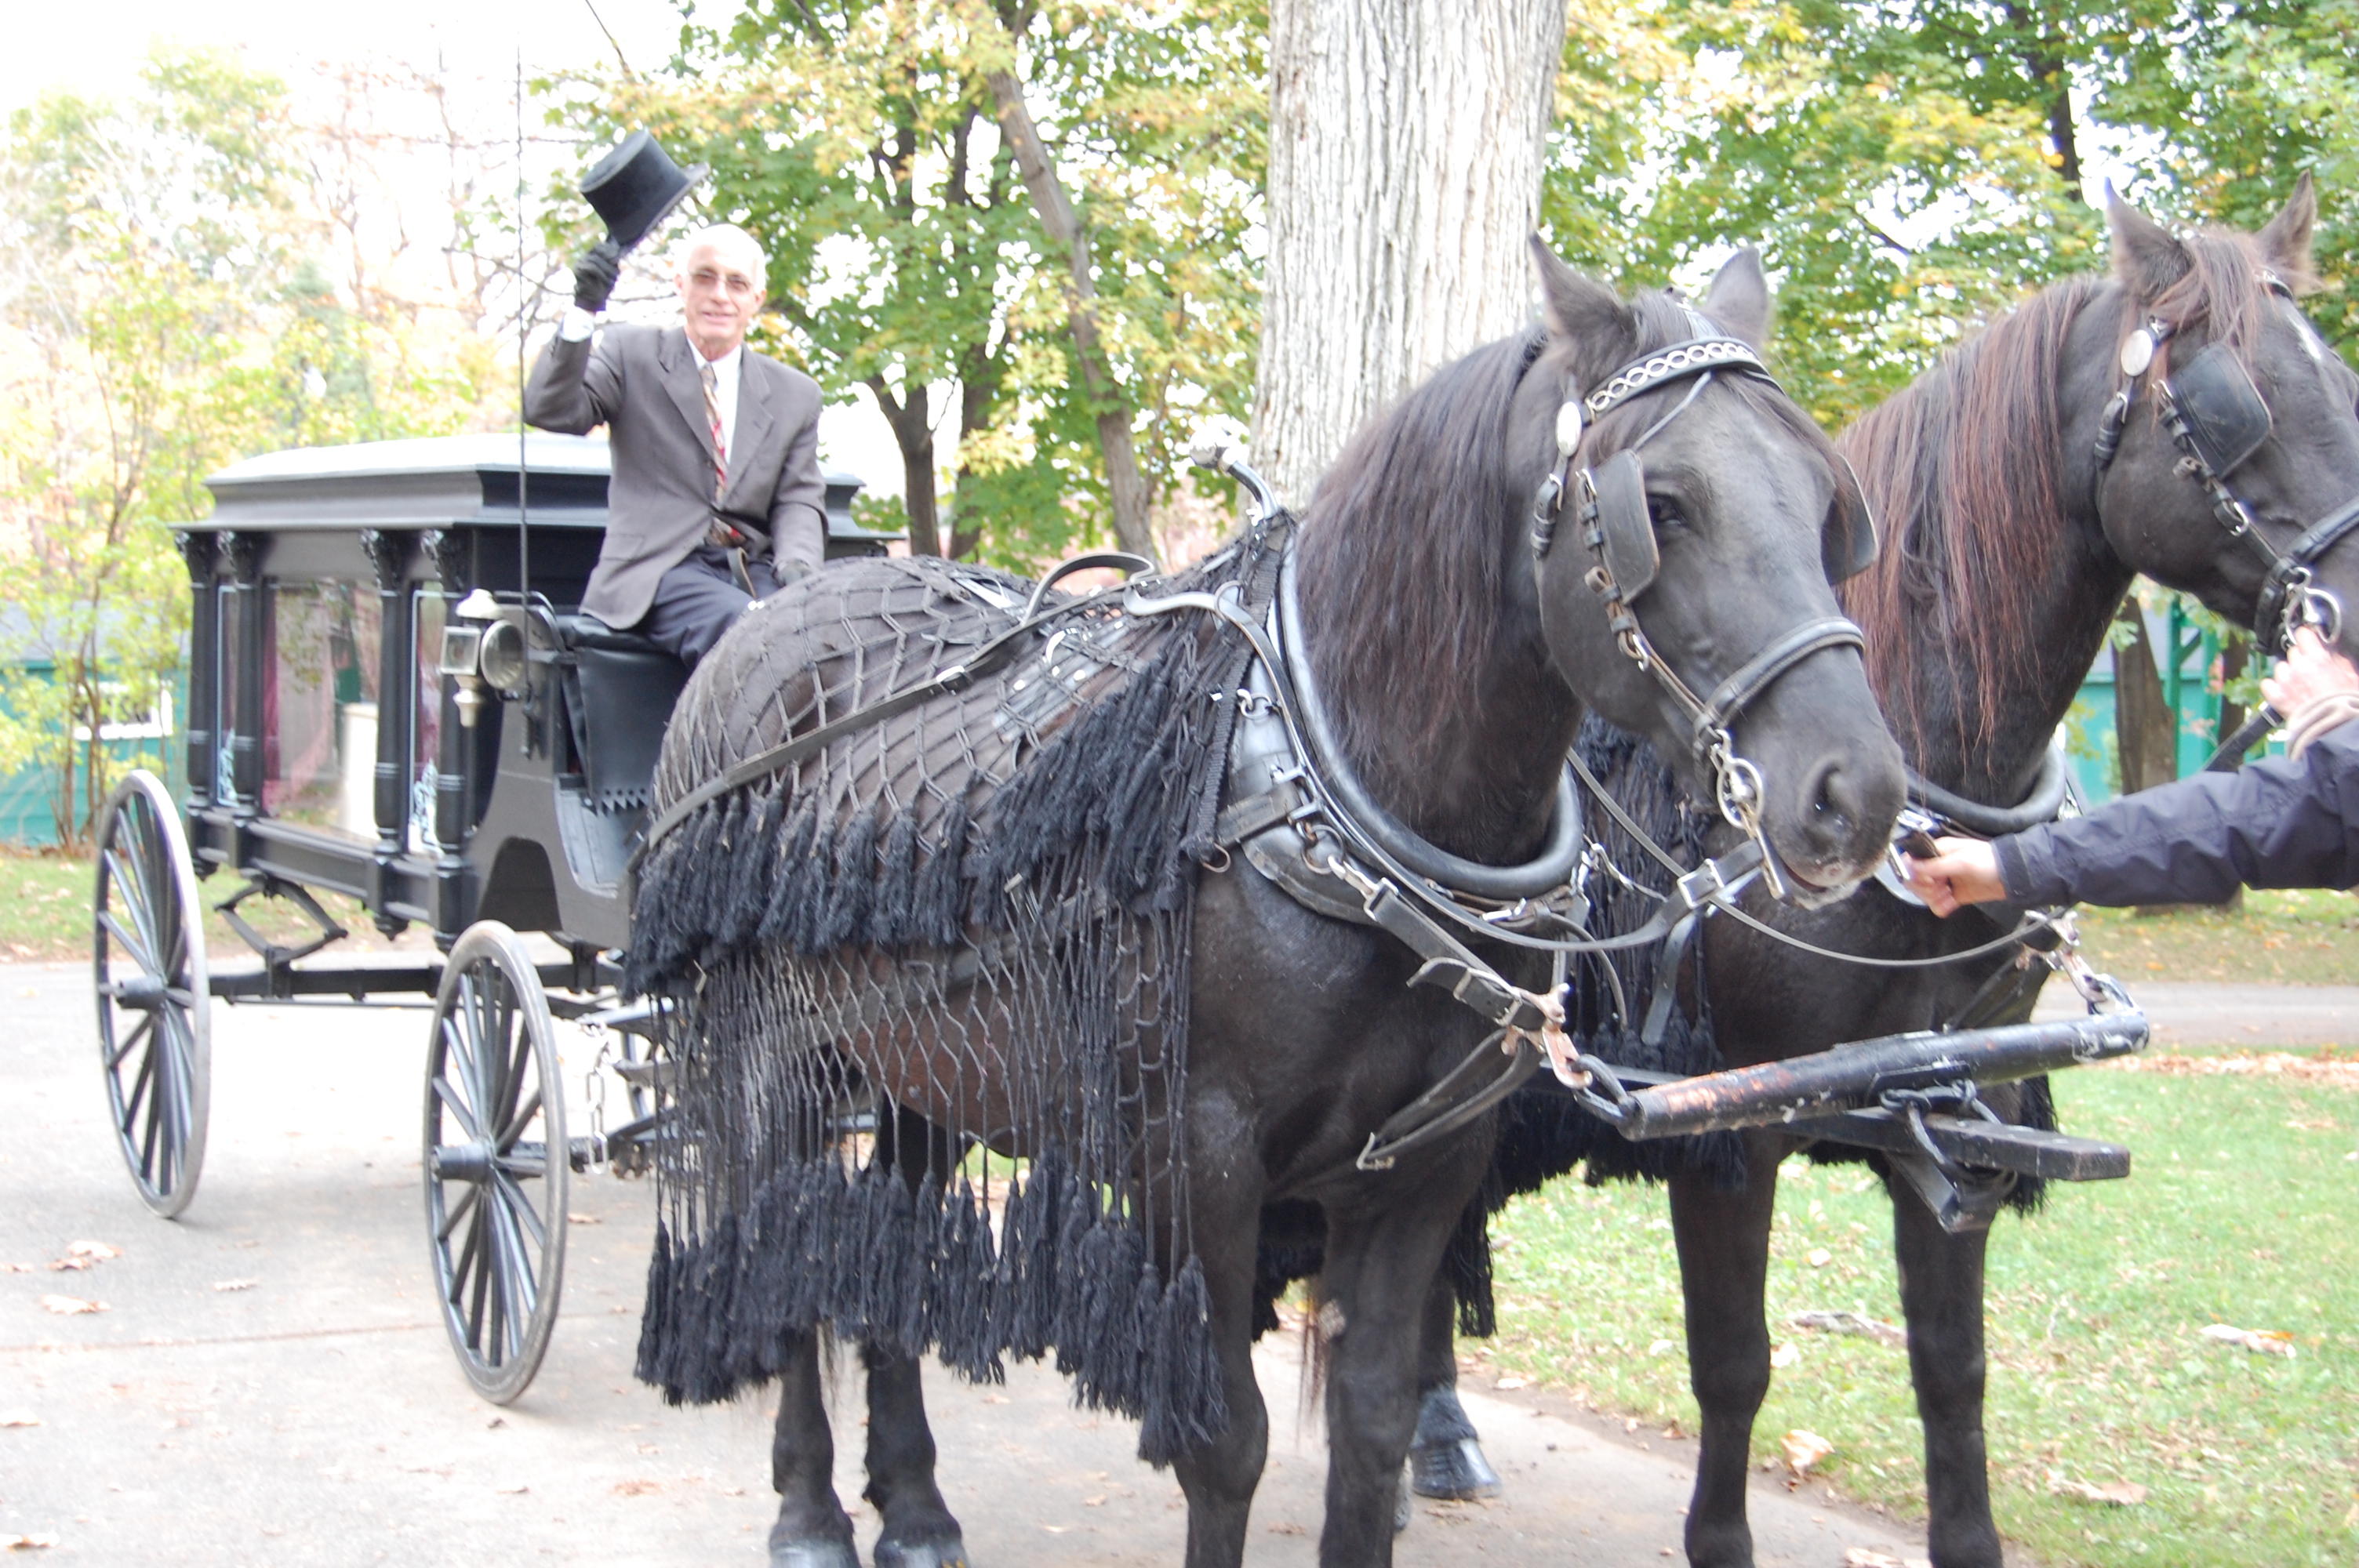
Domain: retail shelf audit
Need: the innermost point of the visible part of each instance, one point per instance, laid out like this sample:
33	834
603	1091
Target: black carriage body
326	748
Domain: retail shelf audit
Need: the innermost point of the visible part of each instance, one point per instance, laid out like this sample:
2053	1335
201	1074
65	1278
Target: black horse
1456	655
2020	496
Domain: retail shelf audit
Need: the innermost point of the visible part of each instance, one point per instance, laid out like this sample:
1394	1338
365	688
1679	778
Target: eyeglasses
737	283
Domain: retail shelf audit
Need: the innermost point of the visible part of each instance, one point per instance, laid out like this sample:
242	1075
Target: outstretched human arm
2288	821
575	387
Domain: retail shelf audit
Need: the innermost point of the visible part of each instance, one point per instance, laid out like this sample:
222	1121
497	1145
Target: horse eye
1664	512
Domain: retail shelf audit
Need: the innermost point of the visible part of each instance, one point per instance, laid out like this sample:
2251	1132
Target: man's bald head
720	272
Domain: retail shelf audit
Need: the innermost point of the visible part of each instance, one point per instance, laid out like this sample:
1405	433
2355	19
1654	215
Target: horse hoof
827	1553
1404	1504
1454	1470
950	1552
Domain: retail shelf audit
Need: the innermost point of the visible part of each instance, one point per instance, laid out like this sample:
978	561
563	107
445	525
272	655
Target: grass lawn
2293	939
2242	1211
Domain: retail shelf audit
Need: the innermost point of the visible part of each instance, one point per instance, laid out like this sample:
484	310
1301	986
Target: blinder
1623	530
1849	545
2224	417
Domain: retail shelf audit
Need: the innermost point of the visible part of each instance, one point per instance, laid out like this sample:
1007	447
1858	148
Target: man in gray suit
716	499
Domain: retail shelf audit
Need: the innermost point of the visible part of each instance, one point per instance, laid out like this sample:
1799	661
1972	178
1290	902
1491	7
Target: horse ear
1739	297
2147	257
2285	243
1579	307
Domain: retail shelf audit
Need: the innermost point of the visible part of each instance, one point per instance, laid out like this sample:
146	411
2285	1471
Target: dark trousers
699	598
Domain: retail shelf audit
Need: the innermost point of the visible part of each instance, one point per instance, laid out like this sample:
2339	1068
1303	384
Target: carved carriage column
453	786
396	700
203	726
245	740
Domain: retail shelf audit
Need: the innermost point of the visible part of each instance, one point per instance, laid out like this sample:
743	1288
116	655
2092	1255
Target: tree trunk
1109	405
913	431
2145	728
1406	143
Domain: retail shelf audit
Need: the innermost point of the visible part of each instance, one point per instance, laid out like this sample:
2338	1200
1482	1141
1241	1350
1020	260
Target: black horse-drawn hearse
378	707
391	698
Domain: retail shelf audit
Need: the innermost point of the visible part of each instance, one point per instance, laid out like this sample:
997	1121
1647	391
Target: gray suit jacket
641	383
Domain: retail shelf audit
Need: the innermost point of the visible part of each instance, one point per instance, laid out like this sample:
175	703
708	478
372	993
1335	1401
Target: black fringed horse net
927	989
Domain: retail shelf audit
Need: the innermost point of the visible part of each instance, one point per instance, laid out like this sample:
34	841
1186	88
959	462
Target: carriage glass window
319	707
425	717
232	622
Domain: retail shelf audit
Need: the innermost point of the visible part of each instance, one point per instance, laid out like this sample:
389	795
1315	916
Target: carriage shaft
1858	1075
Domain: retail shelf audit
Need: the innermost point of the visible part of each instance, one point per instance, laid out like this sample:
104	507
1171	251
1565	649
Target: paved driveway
268	1383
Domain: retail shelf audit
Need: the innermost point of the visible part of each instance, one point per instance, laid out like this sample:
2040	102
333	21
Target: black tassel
808	919
855	893
791	866
918	1288
654	1316
749	888
938	918
1187	1399
896	885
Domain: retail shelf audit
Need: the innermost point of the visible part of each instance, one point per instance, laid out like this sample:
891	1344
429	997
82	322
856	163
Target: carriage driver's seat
618	688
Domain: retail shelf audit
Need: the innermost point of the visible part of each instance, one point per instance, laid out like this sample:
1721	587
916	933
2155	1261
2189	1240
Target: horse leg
1219	1478
1942	1294
918	1529
1374	1294
1724	1245
1445	1458
813	1530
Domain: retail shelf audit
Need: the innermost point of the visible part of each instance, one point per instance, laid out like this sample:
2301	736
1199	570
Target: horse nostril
1834	806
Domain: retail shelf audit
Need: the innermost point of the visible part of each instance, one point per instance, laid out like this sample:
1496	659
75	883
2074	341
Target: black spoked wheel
496	1163
155	1004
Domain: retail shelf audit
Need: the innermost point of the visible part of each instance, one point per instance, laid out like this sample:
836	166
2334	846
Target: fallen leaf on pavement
636	1489
2260	1341
1804	1449
16	1268
1852	1323
96	1251
27	1542
585	1219
1868	1557
60	1265
236	1285
68	1306
2120	1494
512	1491
1513	1383
19	1418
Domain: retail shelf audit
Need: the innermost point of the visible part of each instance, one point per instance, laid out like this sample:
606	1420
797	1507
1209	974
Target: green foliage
859	141
1907	168
2099	1372
161	322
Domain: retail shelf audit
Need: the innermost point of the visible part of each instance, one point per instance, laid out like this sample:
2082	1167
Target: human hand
595	271
2309	671
1964	872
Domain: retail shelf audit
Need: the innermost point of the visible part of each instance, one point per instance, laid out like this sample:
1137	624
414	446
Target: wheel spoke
522	1119
518	1288
458	1211
140	1083
461	1111
139	1031
137	901
520	1208
134	945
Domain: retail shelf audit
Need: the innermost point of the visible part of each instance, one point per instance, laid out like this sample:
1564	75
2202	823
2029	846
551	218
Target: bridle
1616	528
2217	419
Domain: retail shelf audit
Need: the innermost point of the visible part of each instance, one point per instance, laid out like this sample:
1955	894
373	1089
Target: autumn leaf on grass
68	1306
1786	1355
1852	1323
2260	1341
1804	1449
2119	1494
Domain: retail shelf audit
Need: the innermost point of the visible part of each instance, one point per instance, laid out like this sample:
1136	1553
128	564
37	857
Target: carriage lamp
463	647
501	656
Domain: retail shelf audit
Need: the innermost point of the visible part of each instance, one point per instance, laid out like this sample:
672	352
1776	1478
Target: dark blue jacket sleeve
2278	823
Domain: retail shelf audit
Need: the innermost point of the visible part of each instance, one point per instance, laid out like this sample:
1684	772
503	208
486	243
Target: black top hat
635	188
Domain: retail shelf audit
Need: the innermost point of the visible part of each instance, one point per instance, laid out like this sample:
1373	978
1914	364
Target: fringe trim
914	1271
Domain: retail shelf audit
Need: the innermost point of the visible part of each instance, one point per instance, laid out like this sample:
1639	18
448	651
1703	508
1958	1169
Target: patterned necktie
719	436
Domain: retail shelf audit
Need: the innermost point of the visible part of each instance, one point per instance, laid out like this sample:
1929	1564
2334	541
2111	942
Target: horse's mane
1413	527
1965	470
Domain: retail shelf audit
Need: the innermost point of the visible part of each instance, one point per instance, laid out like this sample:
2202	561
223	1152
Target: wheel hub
141	993
463	1162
